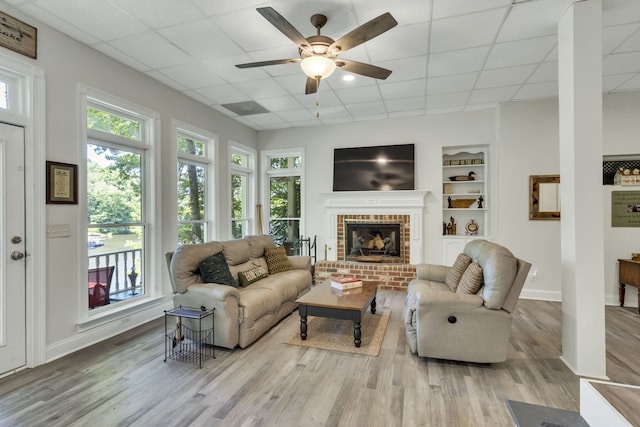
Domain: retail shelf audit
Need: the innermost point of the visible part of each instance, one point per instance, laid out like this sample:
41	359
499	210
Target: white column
582	240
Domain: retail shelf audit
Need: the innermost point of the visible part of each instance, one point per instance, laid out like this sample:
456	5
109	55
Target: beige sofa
444	324
242	314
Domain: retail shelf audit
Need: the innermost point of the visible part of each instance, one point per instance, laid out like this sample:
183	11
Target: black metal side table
189	344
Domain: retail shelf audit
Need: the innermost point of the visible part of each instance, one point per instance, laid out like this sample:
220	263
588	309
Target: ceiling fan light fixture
318	66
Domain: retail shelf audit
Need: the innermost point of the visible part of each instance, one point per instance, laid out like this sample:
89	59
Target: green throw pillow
214	269
277	260
253	275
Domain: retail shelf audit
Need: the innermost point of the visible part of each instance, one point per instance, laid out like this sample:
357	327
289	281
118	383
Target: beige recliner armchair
444	323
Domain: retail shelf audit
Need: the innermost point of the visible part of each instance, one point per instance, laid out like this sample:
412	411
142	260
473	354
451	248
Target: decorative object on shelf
451	227
446	188
469	177
472	228
625	176
460	203
635	256
480	200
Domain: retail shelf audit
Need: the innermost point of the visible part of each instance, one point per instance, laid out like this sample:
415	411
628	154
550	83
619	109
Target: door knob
16	239
17	255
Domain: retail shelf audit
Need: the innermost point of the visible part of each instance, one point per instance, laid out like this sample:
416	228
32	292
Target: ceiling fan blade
365	32
363	69
265	63
284	26
311	86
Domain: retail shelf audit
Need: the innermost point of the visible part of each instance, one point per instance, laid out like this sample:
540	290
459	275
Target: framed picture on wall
62	183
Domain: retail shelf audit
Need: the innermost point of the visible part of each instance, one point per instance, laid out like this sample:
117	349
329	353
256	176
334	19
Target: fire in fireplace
372	241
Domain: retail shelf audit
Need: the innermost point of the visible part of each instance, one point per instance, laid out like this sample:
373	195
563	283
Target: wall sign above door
18	36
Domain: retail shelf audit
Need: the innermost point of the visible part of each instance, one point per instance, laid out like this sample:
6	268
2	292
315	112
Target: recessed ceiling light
348	77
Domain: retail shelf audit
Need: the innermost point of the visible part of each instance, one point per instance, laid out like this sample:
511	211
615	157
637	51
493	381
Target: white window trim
265	157
208	161
251	173
151	208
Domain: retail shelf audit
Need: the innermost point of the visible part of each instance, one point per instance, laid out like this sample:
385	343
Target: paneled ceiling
446	55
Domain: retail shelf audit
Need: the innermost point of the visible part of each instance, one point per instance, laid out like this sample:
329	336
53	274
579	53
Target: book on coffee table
343	283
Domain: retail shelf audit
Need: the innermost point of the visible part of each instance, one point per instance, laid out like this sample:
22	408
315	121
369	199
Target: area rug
337	335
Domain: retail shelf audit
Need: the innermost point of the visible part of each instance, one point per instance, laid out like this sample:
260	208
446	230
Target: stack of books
343	283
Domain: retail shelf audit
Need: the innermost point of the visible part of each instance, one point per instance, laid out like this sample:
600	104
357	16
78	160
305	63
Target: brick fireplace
380	212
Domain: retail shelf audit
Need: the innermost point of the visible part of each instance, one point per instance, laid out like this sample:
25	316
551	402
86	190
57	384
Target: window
195	179
285	177
242	197
3	95
12	92
117	149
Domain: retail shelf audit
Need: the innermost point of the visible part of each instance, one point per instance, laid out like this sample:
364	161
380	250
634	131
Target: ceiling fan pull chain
318	98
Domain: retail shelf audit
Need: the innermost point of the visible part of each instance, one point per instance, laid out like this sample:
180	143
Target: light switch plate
58	230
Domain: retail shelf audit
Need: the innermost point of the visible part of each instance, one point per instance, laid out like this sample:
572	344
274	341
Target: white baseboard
541	295
106	330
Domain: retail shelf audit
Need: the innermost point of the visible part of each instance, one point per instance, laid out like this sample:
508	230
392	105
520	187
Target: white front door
12	249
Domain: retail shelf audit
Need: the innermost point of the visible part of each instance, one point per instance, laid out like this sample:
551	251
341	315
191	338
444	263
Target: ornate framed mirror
544	197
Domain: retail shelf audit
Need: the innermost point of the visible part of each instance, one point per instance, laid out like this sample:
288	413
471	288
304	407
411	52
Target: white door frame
30	114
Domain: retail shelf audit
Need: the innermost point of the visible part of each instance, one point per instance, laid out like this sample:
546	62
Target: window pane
190	146
191	233
114	187
239	195
240	159
285	197
115	264
239	228
113	124
3	95
287	230
285	162
191	182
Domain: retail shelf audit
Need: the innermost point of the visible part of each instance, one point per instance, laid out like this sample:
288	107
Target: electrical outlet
534	274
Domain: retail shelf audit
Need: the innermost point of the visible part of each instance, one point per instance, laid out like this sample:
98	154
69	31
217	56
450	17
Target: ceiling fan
319	54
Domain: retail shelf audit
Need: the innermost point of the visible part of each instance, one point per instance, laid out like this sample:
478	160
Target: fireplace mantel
399	202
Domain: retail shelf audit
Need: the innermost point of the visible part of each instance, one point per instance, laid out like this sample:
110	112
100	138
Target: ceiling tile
63	26
358	94
446	8
225	68
493	95
405	11
458	61
453	33
520	52
546	72
406	68
144	48
453	83
158	14
537	91
192	76
102	19
612	37
447	100
631	44
296	115
219	7
611	83
631	84
504	76
166	80
406	104
197	42
616	12
618	63
258	89
121	57
281	103
402	89
223	94
400	42
367	109
262	35
533	19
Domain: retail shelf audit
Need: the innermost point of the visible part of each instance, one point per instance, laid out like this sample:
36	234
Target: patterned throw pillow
471	280
456	271
214	269
277	260
253	275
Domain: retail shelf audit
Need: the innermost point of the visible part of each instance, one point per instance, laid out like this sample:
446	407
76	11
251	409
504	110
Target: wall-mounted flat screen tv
379	168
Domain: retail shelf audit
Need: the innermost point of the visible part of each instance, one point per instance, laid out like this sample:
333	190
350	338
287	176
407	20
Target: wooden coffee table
324	301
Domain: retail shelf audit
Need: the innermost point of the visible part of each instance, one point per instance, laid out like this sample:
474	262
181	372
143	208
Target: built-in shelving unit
465	197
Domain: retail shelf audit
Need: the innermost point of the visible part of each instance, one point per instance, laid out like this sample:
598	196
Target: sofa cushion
214	269
236	251
252	275
185	263
471	279
258	243
277	260
456	271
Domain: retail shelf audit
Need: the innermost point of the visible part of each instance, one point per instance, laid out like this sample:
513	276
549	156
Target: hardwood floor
124	381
